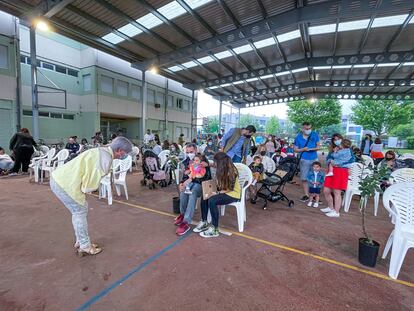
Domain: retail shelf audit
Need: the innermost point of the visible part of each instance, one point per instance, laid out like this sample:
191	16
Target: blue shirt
300	143
238	146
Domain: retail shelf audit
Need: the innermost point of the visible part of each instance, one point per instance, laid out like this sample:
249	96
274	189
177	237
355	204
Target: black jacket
21	140
363	145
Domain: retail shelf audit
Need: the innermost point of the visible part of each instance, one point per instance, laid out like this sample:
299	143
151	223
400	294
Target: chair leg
240	217
376	202
388	245
348	199
109	190
399	249
223	209
126	191
118	189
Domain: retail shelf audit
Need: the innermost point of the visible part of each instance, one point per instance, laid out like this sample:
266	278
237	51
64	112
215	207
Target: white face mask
191	156
307	132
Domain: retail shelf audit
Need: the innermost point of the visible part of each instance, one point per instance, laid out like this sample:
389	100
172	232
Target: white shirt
148	138
376	147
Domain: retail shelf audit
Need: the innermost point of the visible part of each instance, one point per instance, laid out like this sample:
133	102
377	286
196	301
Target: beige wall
7	87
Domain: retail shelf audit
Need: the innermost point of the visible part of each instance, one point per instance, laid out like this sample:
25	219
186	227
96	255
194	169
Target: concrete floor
40	271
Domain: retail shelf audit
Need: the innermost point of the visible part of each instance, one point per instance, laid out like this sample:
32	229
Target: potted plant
369	185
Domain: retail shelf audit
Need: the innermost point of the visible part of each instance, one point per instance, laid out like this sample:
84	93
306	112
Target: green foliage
403	131
331	129
290	130
323	112
382	116
368	186
249	119
410	142
212	126
273	126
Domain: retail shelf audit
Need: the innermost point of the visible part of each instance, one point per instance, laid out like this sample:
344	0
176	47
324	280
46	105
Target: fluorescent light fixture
267	76
299	69
113	38
318	30
387	21
342	67
408	64
282	73
243	49
172	10
190	64
223	54
194	4
225	85
264	43
130	30
149	21
288	36
364	66
238	82
205	60
174	68
354	25
251	79
388	65
321	67
214	87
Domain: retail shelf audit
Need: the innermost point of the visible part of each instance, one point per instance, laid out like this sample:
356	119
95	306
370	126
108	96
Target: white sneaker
211	232
315	205
326	210
310	204
332	214
329	174
201	226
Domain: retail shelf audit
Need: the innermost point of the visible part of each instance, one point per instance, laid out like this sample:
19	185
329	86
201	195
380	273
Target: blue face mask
338	142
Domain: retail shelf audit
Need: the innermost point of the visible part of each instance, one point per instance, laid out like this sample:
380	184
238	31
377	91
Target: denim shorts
305	166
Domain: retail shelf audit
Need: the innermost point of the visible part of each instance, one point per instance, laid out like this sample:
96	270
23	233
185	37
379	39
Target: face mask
307	132
210	143
338	142
263	153
191	156
123	157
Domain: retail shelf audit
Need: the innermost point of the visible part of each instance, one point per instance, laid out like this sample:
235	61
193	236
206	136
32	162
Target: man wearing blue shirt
236	143
306	145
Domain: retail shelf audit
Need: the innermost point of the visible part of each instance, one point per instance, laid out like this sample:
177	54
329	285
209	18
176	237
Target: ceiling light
243	49
364	66
388	64
300	70
323	29
42	25
288	36
205	60
223	54
264	43
321	67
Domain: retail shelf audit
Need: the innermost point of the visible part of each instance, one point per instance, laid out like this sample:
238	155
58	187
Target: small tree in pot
369	185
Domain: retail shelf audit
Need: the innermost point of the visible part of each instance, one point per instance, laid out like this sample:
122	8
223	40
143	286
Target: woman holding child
339	158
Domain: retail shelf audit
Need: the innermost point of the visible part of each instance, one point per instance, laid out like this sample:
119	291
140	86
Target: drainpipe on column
16	39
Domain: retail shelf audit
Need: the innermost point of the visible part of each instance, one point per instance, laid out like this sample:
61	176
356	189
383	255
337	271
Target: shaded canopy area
250	51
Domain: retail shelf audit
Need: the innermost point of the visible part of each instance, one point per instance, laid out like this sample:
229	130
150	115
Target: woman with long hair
227	179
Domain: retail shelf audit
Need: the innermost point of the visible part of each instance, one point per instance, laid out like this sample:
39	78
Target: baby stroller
153	173
284	174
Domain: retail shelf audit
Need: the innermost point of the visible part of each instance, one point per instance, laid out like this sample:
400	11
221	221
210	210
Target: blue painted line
114	285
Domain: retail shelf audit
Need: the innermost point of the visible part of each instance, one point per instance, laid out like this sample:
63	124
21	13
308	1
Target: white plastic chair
357	172
268	164
163	156
36	162
245	180
398	199
368	161
134	154
402	175
105	186
49	165
120	175
406	156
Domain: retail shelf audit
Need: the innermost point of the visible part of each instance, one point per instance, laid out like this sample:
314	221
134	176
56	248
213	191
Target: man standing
366	144
73	180
148	137
306	145
236	143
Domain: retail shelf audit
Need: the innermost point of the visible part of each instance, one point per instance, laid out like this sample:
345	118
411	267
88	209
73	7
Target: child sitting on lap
315	180
197	170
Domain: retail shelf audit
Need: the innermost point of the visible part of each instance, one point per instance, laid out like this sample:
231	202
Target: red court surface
286	259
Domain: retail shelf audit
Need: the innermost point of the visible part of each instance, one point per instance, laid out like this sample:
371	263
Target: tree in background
212	125
329	130
249	119
403	131
320	113
290	130
273	126
382	116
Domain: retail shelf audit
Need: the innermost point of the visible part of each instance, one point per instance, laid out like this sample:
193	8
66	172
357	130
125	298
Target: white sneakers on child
332	214
310	203
313	204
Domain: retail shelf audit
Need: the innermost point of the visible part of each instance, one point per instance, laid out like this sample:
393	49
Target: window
43	114
60	69
151	96
48	66
185	132
135	91
87	83
68	117
4	59
56	115
170	100
107	84
178	130
27	113
23	59
186	106
122	88
179	103
72	72
160	98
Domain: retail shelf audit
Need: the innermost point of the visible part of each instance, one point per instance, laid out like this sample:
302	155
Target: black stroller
153	174
284	173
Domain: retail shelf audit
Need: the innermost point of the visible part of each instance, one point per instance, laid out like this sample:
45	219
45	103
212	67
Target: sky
207	106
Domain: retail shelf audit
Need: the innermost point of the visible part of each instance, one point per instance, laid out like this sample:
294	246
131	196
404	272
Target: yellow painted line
284	247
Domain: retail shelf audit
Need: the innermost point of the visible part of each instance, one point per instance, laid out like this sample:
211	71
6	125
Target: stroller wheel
291	203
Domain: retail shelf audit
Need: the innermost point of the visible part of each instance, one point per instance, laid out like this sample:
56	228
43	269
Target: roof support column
144	106
193	133
33	78
166	136
220	114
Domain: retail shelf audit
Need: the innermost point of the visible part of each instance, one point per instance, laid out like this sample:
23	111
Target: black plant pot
176	205
367	253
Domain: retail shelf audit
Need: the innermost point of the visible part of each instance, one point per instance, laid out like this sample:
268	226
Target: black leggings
22	156
212	205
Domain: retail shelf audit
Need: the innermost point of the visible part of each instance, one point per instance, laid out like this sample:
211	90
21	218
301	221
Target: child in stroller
152	171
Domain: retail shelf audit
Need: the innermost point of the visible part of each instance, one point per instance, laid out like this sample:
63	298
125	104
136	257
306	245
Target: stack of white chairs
36	163
402	175
357	172
134	154
49	165
163	156
245	180
368	161
406	156
398	199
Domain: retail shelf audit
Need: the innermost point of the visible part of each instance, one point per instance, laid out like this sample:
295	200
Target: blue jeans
236	159
79	213
212	205
6	165
188	202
